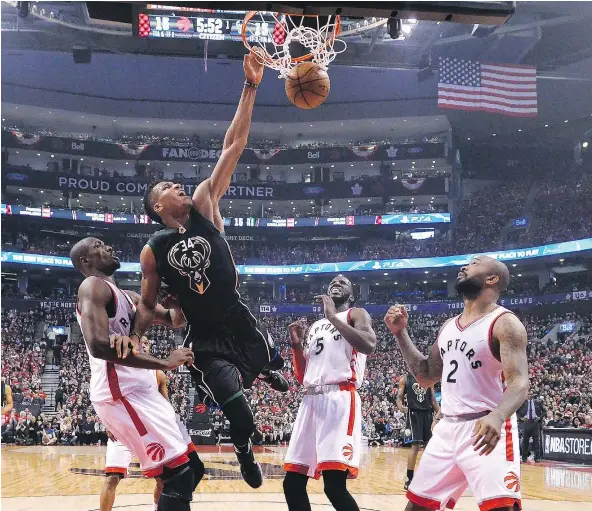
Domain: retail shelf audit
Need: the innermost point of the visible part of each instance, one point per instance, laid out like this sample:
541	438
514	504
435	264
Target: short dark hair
148	208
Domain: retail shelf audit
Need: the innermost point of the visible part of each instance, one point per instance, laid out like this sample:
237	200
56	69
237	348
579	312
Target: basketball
307	85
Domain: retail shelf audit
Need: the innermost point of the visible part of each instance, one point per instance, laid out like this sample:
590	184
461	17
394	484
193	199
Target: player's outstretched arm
297	330
211	190
427	370
168	314
93	297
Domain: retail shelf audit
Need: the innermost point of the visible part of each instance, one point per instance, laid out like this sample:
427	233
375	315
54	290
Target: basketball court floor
70	479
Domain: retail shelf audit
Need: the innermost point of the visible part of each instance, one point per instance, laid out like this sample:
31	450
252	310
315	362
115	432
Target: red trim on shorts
352	363
115	470
113	381
490	336
509	442
296	467
451	503
352	413
134	417
191	447
336	465
423	501
174	463
488	505
462	328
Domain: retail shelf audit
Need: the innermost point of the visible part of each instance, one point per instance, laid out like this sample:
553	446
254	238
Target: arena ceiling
380	81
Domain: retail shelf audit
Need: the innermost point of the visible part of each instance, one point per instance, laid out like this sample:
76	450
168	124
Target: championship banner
566	247
568	445
197	153
135	187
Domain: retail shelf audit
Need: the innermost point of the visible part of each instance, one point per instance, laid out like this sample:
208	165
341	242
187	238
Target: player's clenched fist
179	357
396	319
297	330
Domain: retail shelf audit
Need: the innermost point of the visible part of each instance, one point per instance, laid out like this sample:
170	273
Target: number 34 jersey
329	357
472	379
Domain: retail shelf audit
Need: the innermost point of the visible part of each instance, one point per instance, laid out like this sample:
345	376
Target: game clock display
213	26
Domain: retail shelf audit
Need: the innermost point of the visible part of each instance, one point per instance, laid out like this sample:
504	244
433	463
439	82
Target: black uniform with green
421	410
197	266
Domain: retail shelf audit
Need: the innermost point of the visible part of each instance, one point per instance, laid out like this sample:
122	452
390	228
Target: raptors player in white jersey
118	457
327	434
480	356
122	392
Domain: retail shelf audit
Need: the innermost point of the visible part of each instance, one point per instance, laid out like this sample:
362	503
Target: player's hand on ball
486	434
253	66
397	319
123	345
328	305
179	357
297	330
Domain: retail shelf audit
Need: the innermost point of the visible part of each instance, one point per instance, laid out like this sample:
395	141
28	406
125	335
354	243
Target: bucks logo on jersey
191	258
420	392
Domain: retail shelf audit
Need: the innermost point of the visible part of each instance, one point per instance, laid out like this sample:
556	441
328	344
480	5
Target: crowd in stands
560	377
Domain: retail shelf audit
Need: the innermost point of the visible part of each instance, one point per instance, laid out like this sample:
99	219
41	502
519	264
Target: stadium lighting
585	145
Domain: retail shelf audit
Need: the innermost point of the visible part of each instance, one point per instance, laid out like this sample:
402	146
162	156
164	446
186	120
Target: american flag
499	88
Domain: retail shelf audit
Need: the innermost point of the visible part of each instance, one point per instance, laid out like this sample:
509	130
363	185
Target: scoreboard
160	21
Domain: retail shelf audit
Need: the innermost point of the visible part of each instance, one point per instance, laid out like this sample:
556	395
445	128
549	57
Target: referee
421	405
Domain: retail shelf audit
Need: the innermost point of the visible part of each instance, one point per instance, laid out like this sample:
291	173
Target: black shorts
420	424
239	345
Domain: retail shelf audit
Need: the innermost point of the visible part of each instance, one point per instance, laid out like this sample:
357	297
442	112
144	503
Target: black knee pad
177	490
198	468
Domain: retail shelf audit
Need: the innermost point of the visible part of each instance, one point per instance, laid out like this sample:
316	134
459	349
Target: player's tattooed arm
510	338
93	297
211	190
427	370
511	335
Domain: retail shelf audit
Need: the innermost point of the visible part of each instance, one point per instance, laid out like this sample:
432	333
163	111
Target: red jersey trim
352	472
463	328
174	463
423	501
509	440
352	413
488	505
490	335
295	467
116	470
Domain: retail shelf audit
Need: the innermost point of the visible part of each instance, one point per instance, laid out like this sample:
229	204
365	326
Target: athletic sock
410	474
156	506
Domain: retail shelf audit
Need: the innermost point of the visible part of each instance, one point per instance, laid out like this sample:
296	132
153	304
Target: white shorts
145	423
450	464
327	434
118	458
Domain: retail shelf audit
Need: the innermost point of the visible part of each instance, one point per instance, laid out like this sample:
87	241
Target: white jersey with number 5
472	379
329	357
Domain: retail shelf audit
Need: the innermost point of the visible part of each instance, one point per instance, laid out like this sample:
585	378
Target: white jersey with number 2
472	379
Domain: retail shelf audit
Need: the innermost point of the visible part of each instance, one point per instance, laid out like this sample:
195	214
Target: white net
273	33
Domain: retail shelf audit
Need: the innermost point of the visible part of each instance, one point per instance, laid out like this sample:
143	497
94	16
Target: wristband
250	84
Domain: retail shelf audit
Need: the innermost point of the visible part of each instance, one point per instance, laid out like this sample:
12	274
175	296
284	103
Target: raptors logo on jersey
471	376
191	258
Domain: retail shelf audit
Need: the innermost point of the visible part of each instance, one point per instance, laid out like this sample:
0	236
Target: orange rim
249	16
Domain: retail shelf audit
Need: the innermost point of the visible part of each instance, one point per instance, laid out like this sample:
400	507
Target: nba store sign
574	445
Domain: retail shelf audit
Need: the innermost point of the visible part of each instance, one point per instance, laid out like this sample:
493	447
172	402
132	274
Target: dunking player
481	358
327	434
421	405
192	257
122	392
119	457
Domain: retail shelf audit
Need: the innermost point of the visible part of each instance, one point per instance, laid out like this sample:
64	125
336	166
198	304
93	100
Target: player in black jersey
420	409
191	256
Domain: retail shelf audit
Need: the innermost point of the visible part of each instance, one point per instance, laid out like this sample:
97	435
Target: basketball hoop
273	33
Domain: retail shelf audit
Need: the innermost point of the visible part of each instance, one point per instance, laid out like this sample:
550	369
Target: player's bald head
499	269
79	251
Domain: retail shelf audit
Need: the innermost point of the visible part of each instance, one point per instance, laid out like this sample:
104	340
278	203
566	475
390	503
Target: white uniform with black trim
128	402
472	384
327	434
